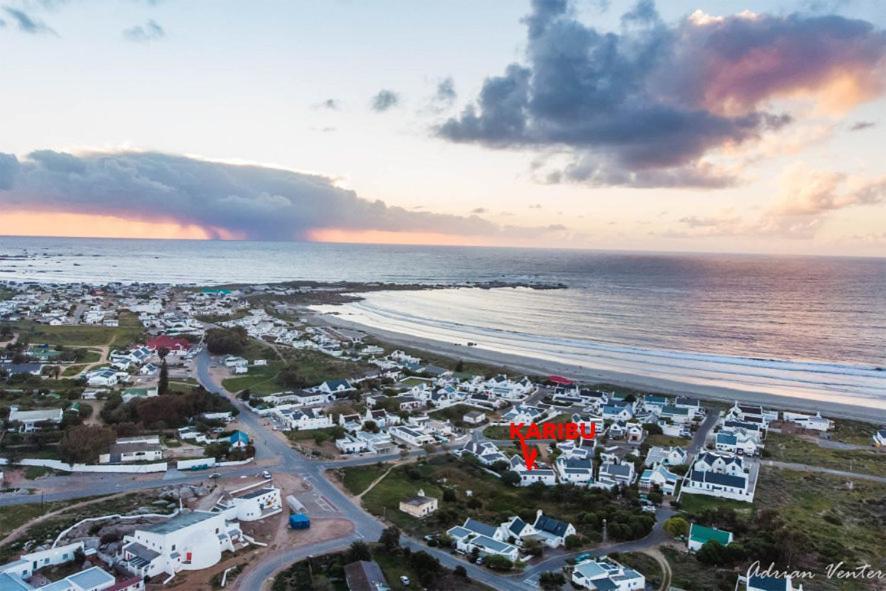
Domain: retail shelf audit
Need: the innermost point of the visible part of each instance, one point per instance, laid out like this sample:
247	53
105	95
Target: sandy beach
587	374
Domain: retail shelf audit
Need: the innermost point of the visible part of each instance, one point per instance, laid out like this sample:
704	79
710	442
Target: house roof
92	578
479	527
702	534
550	525
721	479
768	583
180	521
238	437
365	575
517	526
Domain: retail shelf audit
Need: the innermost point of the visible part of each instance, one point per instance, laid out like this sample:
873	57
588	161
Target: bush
499	563
226	341
84	443
677	526
551	580
574	541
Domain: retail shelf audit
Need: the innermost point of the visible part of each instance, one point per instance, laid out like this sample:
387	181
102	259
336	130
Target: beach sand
589	375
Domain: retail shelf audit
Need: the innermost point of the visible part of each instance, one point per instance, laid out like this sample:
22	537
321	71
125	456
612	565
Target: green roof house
699	534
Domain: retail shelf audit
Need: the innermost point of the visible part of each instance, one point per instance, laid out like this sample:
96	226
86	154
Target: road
820	470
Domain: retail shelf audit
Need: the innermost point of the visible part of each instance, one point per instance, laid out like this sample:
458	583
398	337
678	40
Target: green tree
84	443
677	526
510	478
163	384
574	541
359	551
390	538
426	566
551	580
496	562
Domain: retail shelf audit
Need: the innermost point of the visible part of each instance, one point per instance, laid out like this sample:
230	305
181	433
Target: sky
753	126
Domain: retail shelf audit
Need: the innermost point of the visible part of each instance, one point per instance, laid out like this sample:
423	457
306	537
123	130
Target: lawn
129	332
454	413
497	432
697	504
790	448
316	367
359	479
260	381
73	370
473	491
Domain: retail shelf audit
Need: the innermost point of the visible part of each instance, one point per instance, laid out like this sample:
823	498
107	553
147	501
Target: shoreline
588	375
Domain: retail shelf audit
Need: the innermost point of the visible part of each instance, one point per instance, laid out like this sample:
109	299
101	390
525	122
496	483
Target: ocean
811	327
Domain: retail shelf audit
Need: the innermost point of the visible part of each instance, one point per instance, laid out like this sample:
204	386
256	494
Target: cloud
860	125
150	31
384	100
479	210
809	192
252	202
27	23
650	104
446	91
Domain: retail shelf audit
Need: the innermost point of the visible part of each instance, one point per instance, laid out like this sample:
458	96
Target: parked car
215	475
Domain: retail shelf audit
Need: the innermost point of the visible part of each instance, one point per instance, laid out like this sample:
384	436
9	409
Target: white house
300	420
761	583
410	436
578	471
251	503
487	539
192	540
605	574
880	438
700	535
814	422
719	475
552	532
124	453
612	475
668	456
474	417
661	477
736	442
350	445
32	420
102	377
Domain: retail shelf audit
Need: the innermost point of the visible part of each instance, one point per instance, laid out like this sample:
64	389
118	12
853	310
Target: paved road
820	470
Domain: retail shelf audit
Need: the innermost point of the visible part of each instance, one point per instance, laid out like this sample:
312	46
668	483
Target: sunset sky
752	126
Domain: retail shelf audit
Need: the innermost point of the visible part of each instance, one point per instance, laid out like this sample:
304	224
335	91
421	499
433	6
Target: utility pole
604	531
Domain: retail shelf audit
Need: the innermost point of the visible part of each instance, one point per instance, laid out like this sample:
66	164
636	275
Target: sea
809	327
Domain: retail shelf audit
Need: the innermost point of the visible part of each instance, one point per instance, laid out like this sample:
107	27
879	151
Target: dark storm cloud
643	106
384	100
150	31
27	23
250	201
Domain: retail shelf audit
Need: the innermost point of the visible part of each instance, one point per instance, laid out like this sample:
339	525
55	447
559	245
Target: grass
854	432
472	491
790	448
129	331
838	522
313	366
666	441
454	413
14	516
689	574
73	370
697	504
642	563
260	381
356	481
497	432
35	472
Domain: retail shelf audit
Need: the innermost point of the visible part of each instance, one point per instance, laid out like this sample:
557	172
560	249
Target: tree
510	478
84	443
574	541
426	566
533	547
712	553
551	580
459	366
290	377
371	426
162	352
163	384
449	495
390	538
677	526
496	562
359	551
460	571
226	341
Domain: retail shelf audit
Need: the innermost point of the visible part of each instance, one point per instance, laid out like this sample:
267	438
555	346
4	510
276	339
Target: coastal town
190	437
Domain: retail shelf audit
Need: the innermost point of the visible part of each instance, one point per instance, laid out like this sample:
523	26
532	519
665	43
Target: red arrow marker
529	454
